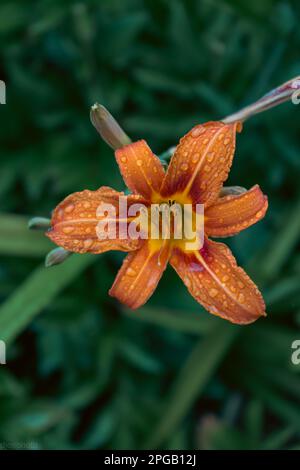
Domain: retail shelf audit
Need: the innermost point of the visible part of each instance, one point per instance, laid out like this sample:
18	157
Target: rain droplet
69	208
139	162
197	131
184	166
87	243
68	229
213	292
131	272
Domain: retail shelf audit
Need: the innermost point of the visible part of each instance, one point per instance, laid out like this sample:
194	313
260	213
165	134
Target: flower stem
285	92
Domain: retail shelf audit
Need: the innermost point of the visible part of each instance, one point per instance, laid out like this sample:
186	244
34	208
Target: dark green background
81	371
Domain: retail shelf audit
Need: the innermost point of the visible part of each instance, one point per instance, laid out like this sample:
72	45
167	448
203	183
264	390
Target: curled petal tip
233	213
232	191
239	126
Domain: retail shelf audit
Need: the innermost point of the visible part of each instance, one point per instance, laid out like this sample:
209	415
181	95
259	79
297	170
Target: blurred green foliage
81	371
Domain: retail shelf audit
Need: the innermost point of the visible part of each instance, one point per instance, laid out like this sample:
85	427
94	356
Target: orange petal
216	282
140	274
75	220
142	171
201	162
231	214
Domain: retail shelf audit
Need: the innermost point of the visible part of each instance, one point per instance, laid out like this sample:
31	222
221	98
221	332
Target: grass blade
192	379
36	293
17	240
185	322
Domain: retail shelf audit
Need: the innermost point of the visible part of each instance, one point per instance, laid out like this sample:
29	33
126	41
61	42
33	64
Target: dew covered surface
83	372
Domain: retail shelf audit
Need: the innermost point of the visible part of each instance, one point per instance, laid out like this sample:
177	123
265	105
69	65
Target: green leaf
36	293
192	380
283	243
254	421
185	322
285	409
17	240
278	439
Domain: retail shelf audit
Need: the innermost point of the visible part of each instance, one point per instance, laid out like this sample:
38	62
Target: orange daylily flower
196	173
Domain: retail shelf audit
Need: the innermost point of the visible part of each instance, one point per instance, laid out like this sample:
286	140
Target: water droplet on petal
69	208
197	131
131	272
213	292
87	243
68	229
